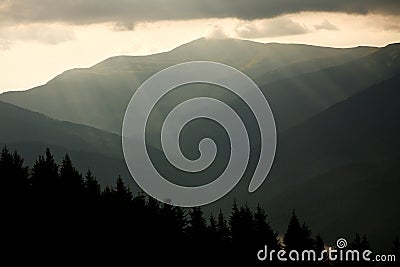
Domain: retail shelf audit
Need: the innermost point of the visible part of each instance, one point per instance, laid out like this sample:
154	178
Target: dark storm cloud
127	12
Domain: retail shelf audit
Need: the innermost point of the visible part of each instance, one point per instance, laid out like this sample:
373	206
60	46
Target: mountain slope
356	198
348	149
30	133
22	125
99	95
340	168
364	127
299	97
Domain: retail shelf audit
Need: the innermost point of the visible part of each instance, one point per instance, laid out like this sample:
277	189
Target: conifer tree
222	227
234	222
212	226
45	173
306	235
69	175
263	232
319	244
122	193
13	177
297	237
246	225
359	243
71	184
92	186
45	184
196	224
180	218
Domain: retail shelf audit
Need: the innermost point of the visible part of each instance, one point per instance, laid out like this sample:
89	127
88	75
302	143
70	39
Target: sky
40	39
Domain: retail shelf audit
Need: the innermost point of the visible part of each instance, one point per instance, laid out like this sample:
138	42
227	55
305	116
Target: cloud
326	25
389	23
132	11
391	27
217	33
270	28
48	34
5	44
123	26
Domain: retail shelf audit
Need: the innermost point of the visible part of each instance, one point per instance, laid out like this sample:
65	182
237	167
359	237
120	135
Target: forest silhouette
52	214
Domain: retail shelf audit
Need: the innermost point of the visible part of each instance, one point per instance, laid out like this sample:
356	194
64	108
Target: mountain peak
210	44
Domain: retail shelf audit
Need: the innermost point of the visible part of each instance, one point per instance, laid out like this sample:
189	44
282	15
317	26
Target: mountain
22	125
340	169
299	97
336	111
363	128
356	198
98	96
30	133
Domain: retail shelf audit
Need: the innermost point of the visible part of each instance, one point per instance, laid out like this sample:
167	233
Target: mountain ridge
97	96
350	138
35	126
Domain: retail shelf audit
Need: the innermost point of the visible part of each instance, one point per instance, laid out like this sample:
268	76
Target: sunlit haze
33	52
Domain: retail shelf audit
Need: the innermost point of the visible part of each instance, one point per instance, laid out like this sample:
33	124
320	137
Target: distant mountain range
98	96
342	167
337	113
301	96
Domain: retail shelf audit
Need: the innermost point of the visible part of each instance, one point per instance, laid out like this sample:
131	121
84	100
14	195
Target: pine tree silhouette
15	207
319	244
71	185
292	238
180	217
263	233
92	187
234	222
172	221
242	233
196	228
70	178
212	230
44	176
297	237
359	243
122	193
107	193
222	227
14	180
59	215
212	225
308	241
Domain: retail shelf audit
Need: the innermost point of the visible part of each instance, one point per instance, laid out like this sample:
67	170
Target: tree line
52	214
